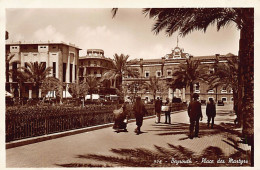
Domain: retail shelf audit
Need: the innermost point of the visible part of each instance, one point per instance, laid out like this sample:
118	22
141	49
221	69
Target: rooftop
40	42
146	61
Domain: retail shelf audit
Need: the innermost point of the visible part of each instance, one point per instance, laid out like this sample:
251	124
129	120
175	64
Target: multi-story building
163	69
96	64
62	57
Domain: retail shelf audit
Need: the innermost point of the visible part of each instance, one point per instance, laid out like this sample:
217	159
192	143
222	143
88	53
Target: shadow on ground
166	157
177	128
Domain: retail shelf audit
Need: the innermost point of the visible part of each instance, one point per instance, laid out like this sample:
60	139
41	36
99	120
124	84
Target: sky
129	33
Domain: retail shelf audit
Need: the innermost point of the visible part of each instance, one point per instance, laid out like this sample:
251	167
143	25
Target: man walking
194	112
157	108
211	112
139	112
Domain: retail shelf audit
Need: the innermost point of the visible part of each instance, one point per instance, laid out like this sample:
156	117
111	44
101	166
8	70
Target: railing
26	122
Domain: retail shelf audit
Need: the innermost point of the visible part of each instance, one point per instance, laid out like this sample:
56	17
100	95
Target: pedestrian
139	112
157	108
195	114
211	111
168	111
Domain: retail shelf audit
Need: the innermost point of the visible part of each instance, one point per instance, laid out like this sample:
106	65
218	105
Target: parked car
176	100
220	103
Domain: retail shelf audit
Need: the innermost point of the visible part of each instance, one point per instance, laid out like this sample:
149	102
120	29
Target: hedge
25	122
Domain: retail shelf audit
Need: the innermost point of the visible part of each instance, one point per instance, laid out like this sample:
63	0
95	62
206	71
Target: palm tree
119	70
154	85
187	75
9	61
35	73
191	19
92	83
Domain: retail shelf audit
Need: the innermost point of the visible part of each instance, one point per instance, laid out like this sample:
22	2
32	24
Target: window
14	67
224	90
197	87
147	74
44	64
54	69
211	70
25	64
71	67
75	72
232	99
158	73
169	72
210	91
95	72
54	47
64	72
224	99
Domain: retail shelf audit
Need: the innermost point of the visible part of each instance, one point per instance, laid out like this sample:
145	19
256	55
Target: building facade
163	69
94	63
62	57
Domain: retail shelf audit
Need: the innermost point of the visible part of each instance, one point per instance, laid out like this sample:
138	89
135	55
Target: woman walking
139	112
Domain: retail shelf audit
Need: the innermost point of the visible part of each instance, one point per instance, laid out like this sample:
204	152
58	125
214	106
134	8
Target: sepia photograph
126	87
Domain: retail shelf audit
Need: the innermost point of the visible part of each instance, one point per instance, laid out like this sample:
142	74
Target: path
155	147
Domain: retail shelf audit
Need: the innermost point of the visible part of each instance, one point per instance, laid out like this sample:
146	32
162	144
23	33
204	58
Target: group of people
194	113
139	112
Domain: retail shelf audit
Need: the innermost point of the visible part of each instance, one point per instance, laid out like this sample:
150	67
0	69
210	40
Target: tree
119	70
35	73
9	61
92	83
187	75
134	88
186	20
226	75
79	90
154	85
51	84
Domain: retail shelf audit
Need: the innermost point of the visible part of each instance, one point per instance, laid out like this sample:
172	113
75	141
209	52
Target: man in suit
158	106
211	112
195	114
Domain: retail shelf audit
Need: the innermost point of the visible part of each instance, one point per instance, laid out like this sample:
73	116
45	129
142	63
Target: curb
37	139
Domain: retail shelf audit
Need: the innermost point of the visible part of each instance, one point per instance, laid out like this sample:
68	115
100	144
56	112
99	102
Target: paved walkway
158	145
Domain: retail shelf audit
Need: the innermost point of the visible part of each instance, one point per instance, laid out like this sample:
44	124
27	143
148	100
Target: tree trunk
246	59
235	103
191	91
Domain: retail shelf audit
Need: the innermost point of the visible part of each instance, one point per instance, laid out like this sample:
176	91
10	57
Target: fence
26	122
